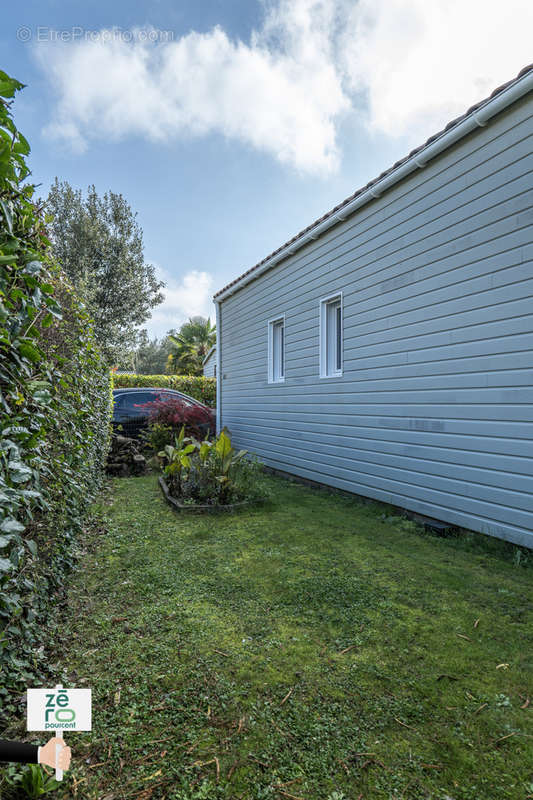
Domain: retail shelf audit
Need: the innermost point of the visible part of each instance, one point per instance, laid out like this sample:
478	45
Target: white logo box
53	709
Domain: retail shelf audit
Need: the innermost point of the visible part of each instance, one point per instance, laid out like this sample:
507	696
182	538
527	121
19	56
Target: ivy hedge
55	403
202	389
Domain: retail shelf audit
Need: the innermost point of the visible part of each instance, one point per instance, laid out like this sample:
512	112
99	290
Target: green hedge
203	389
55	402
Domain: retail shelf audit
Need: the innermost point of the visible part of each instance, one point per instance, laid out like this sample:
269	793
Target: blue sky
230	125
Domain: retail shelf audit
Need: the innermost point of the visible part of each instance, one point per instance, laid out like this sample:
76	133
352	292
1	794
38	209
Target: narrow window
276	350
331	337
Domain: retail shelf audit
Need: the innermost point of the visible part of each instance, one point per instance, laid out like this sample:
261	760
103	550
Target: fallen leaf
286	696
508	736
502	666
346	649
154	775
403	723
287	783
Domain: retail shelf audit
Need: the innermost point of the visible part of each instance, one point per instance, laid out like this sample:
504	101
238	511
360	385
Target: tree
152	354
100	245
190	346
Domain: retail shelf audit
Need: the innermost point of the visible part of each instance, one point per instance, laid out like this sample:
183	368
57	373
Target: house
387	349
210	363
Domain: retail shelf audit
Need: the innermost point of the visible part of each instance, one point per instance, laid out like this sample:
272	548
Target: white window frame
271	324
324	302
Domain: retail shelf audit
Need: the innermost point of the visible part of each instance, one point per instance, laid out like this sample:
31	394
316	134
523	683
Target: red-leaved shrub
174	412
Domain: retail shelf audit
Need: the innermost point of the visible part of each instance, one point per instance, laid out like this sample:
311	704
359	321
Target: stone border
198	509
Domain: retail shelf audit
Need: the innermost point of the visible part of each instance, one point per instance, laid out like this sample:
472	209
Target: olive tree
99	243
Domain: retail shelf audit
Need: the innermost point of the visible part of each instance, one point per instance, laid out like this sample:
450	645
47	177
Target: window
331	336
188	402
129	408
131	402
276	350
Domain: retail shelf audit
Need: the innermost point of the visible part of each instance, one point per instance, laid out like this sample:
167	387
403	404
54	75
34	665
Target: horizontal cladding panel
255	379
434	411
505	488
470	451
328	399
439	411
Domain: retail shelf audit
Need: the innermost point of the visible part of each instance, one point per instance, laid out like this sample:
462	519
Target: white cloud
188	296
284	103
405	67
423	62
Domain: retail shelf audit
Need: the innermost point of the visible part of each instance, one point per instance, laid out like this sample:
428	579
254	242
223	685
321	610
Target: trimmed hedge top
202	389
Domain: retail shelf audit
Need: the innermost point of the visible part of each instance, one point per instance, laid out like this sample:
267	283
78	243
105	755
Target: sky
230	125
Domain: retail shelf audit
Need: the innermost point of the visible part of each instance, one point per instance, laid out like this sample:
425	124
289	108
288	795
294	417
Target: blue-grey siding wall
209	366
434	411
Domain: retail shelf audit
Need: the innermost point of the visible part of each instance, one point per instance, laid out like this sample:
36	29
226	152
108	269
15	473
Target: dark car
131	415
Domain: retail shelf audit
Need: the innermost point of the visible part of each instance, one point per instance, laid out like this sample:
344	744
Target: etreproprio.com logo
43	33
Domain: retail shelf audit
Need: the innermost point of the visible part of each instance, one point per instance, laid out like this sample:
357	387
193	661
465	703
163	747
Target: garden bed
197	508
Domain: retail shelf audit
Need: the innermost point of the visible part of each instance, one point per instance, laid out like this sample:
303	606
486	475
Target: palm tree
190	346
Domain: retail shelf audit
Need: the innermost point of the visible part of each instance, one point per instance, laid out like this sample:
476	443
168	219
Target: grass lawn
312	648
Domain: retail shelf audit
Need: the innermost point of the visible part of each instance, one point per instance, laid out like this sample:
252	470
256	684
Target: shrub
202	389
210	473
174	413
55	401
156	436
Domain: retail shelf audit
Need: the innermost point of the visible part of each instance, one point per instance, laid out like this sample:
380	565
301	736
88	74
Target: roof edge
209	354
476	117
